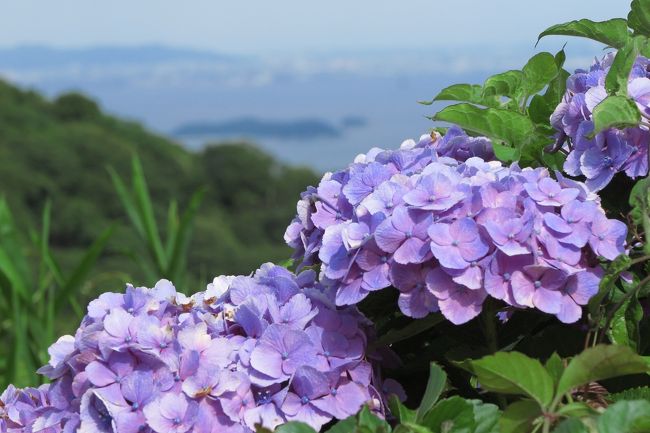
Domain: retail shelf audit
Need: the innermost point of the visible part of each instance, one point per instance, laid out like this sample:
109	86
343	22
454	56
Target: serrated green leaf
598	363
570	425
612	32
626	417
513	373
435	386
500	125
472	93
538	72
640	393
519	416
451	415
639	17
504	84
615	112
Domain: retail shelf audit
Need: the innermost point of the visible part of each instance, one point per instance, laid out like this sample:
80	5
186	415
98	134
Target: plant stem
489	328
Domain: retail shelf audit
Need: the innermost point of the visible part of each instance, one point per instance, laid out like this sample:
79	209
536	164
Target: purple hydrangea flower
611	151
449	232
263	349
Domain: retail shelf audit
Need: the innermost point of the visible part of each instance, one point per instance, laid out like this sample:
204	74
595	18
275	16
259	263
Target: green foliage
613	32
640	393
509	109
639	17
249	197
169	258
598	363
35	292
626	416
435	386
514	373
519	416
615	112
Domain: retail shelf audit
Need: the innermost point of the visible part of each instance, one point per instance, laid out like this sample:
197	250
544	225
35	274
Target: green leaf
639	17
371	423
399	411
451	415
512	128
617	78
182	236
412	329
410	427
615	112
542	106
344	426
435	386
513	373
624	328
504	84
571	425
598	363
640	201
626	417
614	269
486	416
294	427
538	72
144	208
465	93
640	393
519	416
505	153
613	32
127	200
555	367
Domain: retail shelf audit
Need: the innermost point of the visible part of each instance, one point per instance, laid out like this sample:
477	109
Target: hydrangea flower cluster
264	349
610	151
448	233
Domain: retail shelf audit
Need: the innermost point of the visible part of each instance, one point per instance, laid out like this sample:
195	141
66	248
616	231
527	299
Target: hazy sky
258	27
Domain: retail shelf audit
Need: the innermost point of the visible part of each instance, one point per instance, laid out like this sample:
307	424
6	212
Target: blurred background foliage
78	218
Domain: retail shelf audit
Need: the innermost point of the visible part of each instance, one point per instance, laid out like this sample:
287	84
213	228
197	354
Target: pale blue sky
258	27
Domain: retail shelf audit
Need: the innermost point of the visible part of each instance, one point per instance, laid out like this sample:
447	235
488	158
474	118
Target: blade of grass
127	201
145	207
183	235
172	227
80	274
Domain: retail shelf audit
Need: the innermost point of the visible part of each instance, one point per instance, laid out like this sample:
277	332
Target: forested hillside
60	150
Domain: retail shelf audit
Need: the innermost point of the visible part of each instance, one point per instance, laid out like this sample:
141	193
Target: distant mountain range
37	56
303	129
291	104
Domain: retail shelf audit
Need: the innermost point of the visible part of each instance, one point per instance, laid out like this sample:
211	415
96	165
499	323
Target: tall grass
37	298
34	294
167	257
